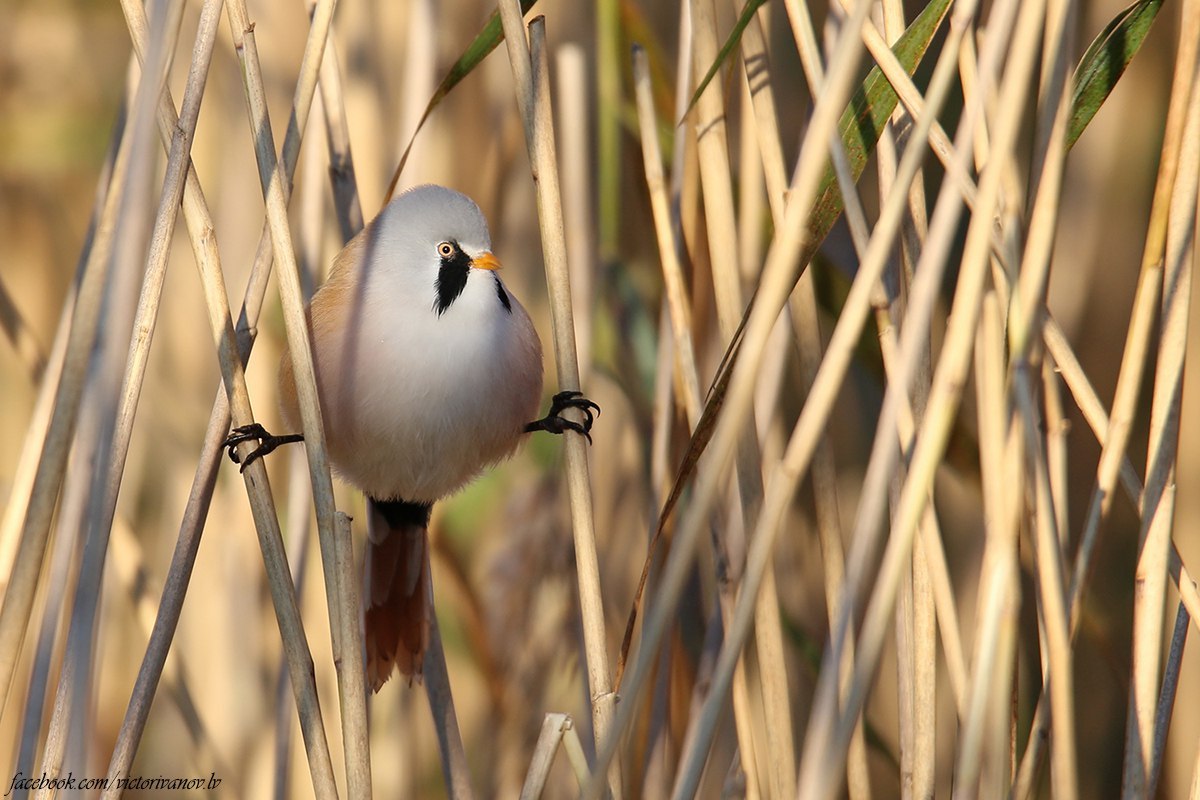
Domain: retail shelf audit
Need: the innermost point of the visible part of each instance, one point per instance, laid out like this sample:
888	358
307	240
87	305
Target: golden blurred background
504	563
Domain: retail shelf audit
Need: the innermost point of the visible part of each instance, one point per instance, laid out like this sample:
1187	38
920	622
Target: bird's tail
397	589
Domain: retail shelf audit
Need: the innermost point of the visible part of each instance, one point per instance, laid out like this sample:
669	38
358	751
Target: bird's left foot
554	423
257	433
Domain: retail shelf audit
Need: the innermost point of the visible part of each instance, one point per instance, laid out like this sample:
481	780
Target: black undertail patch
402	513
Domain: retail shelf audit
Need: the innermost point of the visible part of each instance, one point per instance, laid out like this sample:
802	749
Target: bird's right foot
554	422
257	433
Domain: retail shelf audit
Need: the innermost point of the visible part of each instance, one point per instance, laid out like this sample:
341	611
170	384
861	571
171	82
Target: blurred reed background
898	649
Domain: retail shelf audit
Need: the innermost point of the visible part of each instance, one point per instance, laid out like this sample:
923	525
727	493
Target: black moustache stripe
451	279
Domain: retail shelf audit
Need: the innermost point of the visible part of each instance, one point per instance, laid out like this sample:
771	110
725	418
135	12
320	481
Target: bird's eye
445	250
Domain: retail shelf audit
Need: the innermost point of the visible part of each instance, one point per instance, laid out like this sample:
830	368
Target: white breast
416	404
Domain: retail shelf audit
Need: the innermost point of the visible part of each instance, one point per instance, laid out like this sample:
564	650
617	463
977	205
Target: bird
428	371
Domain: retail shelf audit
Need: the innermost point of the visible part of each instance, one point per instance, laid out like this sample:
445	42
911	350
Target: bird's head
434	241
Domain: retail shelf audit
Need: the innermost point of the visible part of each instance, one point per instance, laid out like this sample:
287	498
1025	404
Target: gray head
436	243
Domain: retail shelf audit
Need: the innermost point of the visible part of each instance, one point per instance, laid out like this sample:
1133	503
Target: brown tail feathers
397	590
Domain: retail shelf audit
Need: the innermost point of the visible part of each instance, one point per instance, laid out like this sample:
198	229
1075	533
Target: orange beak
485	261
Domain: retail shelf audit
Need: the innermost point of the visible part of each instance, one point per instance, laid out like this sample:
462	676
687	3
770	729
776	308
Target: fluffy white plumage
418	400
428	371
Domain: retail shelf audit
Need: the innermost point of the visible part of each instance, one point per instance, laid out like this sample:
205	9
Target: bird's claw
554	423
257	433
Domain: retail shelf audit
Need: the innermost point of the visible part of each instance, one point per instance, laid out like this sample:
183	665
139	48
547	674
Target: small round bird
428	371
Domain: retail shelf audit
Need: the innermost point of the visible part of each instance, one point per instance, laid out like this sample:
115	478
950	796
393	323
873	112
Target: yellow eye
445	250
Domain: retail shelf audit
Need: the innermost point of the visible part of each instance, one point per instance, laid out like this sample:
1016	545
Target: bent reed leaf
1105	61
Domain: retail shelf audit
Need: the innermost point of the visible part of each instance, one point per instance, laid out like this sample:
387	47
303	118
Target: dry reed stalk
196	215
349	663
21	488
662	414
573	119
575	754
677	354
1158	499
757	75
299	493
557	731
779	276
1055	340
346	203
931	587
933	556
273	175
43	492
838	354
670	248
1145	303
676	349
908	93
609	54
71	526
659	739
87	447
356	737
827	737
455	770
1114	435
1057	426
64	744
1188	594
174	590
998	573
1055	634
191	527
60	562
200	227
39	421
1024	322
104	501
824	475
531	81
1166	700
1096	417
543	755
931	590
927	594
1088	402
757	82
683	161
776	747
776	279
675	381
63	562
918	585
541	134
968	62
299	501
752	209
129	562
